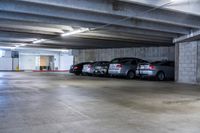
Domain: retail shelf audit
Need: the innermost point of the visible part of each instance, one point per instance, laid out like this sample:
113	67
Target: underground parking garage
51	50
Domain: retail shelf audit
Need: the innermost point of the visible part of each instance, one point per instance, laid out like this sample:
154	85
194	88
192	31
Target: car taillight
76	67
89	66
119	65
151	67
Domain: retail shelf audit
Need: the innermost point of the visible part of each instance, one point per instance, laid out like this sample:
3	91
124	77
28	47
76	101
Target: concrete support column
198	62
176	62
188	62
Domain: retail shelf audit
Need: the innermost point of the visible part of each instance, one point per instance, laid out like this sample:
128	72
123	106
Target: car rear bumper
71	71
88	72
116	73
101	72
146	73
75	71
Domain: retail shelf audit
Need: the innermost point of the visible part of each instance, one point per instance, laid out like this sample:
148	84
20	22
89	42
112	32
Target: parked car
160	70
77	69
101	68
88	69
124	67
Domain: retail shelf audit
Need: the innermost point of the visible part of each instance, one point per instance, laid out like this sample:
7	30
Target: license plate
144	72
142	67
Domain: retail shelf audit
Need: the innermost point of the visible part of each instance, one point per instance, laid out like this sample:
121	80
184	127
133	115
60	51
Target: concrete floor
61	103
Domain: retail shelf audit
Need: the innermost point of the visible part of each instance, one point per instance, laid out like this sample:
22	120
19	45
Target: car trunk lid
145	66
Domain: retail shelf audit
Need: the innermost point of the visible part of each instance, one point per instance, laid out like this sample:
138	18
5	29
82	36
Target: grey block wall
188	62
147	53
198	62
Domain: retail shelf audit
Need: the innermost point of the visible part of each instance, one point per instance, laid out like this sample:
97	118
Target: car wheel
77	74
94	74
131	75
161	76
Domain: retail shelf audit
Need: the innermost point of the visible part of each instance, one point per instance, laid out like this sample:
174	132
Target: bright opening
2	53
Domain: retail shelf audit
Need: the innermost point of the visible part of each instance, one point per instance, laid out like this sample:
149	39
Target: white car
88	69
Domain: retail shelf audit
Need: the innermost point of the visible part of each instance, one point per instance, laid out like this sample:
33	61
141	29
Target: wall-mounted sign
15	54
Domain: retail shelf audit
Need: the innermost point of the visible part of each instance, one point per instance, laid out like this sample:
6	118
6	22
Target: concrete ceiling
23	21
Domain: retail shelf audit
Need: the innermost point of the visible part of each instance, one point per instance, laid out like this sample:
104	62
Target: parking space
60	103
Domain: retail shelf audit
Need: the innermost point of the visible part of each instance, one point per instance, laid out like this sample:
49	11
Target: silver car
95	68
124	67
160	70
101	68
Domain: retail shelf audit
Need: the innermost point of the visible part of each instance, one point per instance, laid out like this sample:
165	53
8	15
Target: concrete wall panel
6	64
148	53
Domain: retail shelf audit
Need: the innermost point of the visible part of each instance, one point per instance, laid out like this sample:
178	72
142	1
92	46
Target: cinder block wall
198	63
148	53
188	62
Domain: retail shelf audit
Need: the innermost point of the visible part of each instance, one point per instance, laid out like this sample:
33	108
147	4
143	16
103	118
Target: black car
101	68
77	69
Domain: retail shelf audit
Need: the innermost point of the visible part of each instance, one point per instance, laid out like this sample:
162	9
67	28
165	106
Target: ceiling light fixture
38	41
69	28
75	32
64	50
23	44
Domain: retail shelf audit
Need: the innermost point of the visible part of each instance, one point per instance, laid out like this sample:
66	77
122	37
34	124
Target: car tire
77	74
160	76
94	74
131	75
83	74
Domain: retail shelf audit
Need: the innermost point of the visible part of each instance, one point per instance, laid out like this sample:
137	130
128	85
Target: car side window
125	61
172	64
134	62
164	64
115	61
168	63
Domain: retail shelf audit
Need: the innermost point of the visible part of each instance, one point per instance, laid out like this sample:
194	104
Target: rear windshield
120	60
84	63
163	63
101	63
157	63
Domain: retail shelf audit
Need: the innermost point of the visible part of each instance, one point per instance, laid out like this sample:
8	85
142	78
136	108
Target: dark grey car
124	67
160	70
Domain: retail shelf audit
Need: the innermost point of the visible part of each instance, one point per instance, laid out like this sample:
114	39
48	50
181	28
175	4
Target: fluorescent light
2	47
64	50
69	28
17	46
23	44
38	41
75	32
13	48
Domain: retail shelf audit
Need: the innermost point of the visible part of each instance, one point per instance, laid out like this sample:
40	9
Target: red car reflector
119	65
151	67
75	67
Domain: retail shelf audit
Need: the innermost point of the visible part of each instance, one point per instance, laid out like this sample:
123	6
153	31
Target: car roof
163	61
102	61
127	58
82	63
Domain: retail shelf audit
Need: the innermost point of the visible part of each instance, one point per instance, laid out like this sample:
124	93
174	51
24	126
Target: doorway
46	63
